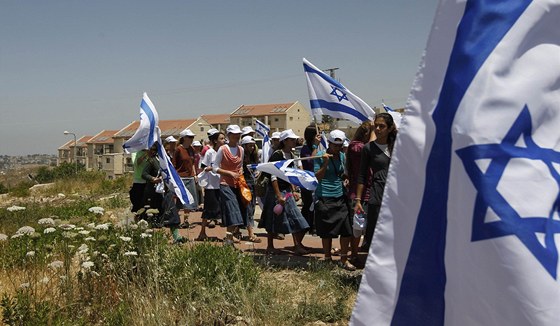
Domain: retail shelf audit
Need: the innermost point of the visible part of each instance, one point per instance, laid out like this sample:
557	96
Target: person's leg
299	248
344	244
202	236
373	213
327	246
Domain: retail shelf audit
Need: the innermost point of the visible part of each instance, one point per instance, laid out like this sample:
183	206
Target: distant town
8	162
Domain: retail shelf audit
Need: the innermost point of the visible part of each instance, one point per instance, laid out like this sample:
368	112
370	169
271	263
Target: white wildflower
30	253
69	235
111	246
89	239
105	256
90	225
84	232
87	264
47	221
49	230
104	226
95	273
45	280
126	239
15	208
133	226
149	231
67	227
131	253
97	210
24	285
83	249
143	224
25	230
56	264
3	237
79	228
145	235
17	235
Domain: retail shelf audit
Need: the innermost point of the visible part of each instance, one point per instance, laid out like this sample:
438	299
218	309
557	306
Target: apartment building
279	116
99	145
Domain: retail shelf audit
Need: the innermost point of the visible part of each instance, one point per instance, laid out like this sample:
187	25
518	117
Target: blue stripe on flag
146	108
331	106
421	299
326	77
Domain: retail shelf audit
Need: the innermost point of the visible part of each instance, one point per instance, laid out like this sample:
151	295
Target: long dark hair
363	134
214	138
392	137
251	158
309	135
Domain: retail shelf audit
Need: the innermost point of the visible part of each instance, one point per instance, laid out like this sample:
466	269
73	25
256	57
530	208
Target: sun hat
337	137
233	129
212	132
186	133
275	135
288	133
247	130
196	143
170	139
247	140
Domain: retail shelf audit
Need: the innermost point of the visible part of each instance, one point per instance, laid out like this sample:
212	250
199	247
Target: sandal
254	239
347	265
300	251
202	237
335	251
272	251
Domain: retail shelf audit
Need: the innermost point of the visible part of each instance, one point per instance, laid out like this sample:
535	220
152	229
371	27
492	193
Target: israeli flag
145	136
324	144
469	227
300	178
328	97
263	130
170	175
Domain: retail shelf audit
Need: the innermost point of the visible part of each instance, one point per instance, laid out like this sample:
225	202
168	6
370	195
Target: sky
82	66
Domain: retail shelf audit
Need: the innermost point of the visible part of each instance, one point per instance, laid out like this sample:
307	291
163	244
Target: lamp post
75	145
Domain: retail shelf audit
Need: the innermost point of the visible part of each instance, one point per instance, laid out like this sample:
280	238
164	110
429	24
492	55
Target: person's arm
321	168
362	176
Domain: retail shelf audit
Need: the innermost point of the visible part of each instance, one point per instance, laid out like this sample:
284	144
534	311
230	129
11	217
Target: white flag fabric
146	134
328	97
300	178
263	131
170	175
468	229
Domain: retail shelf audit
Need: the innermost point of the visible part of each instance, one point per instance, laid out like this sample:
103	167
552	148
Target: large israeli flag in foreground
300	178
146	134
478	244
327	96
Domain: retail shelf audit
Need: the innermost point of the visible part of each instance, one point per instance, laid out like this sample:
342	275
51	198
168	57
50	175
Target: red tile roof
262	109
215	119
168	127
67	145
103	137
81	142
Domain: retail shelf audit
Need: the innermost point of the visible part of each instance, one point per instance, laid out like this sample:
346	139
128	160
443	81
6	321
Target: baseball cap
288	133
247	140
275	135
170	139
212	132
196	143
186	133
337	137
247	130
233	129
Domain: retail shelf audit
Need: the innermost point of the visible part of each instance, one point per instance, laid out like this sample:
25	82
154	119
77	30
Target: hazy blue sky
83	65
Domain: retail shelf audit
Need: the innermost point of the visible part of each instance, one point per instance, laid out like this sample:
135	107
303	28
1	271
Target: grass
97	272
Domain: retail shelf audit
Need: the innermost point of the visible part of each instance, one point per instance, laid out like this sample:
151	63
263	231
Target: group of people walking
351	177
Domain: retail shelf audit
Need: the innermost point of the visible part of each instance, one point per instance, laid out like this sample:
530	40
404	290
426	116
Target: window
291	118
107	160
201	128
276	119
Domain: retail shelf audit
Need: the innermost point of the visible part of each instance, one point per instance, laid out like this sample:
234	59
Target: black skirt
212	205
332	217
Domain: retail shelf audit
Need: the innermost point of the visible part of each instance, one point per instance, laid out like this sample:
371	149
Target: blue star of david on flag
526	229
341	96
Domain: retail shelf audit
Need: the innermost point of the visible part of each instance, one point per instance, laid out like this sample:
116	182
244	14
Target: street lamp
75	145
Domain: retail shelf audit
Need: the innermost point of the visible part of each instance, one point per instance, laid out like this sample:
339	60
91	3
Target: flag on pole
146	134
263	130
328	97
300	178
170	175
397	116
324	144
469	227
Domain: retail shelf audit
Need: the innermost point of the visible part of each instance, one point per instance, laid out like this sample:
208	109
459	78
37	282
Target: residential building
97	146
64	153
279	117
218	121
80	150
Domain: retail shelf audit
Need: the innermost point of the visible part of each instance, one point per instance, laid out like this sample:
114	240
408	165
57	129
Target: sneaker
347	265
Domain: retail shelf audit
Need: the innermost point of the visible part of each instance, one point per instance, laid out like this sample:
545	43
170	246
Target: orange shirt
231	163
183	159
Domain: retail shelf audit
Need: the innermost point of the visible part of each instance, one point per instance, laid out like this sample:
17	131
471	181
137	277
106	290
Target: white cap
275	135
212	132
247	130
337	137
186	133
233	129
196	143
170	139
247	140
288	133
